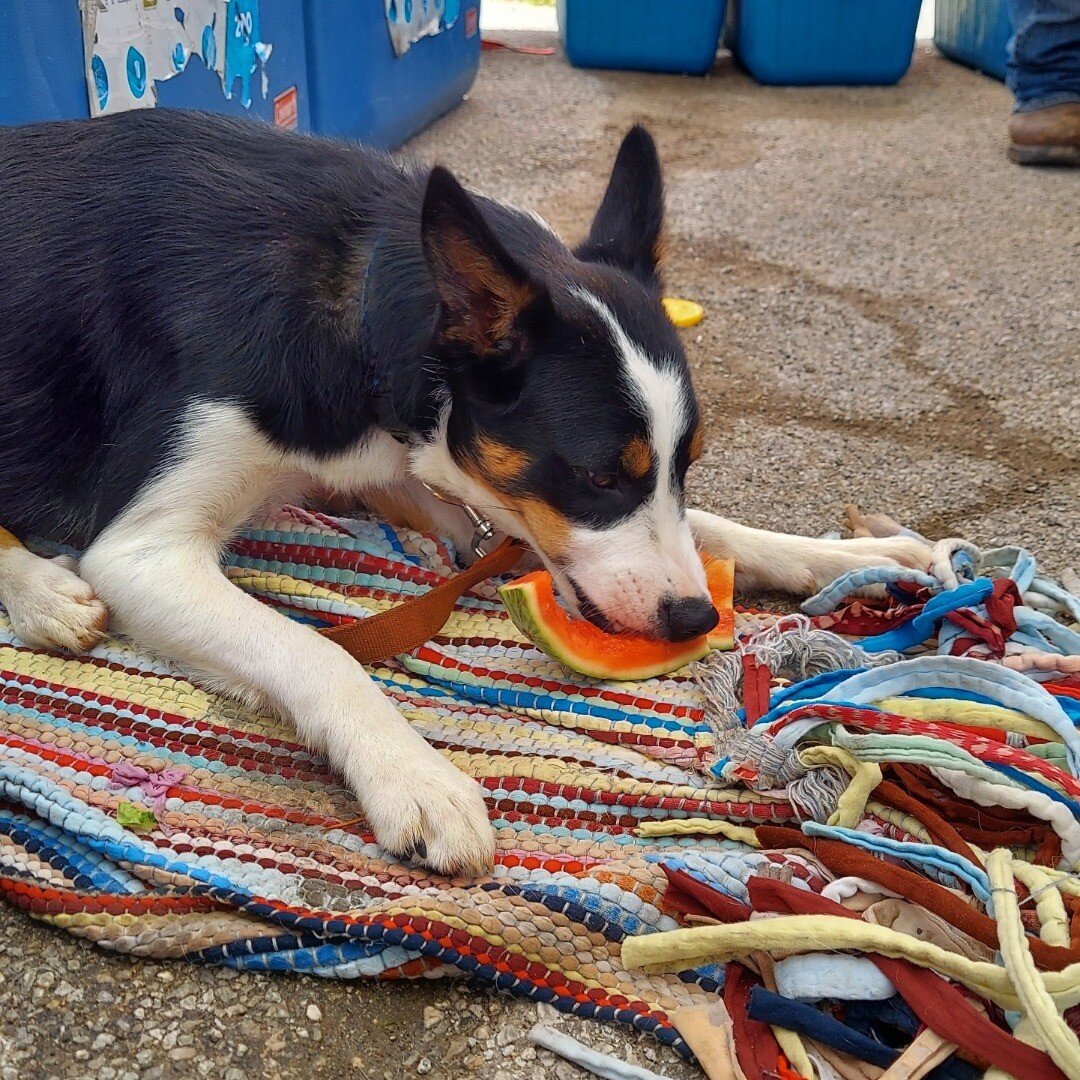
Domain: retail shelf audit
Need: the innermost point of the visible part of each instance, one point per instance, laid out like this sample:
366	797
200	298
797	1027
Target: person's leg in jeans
1044	76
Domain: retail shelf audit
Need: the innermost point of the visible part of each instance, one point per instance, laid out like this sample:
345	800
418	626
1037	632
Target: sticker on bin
472	22
286	109
136	46
410	20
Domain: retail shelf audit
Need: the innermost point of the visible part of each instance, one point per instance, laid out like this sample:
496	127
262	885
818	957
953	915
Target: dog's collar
378	381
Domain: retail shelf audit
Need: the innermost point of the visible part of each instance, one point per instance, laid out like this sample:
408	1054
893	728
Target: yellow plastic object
683	312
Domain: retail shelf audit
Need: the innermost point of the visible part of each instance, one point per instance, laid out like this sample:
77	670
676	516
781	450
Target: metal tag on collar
483	530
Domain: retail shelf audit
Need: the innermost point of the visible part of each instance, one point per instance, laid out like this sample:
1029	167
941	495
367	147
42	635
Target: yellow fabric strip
1067	881
900	820
865	776
699	827
971	713
1056	1036
1054	926
676	950
791	1043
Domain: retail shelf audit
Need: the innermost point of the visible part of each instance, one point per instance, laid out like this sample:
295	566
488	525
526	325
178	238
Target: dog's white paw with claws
801	565
425	809
50	606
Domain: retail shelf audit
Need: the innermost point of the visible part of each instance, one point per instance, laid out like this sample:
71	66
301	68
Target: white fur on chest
223	472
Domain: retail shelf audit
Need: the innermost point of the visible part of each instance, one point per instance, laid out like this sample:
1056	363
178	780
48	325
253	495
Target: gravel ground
892	319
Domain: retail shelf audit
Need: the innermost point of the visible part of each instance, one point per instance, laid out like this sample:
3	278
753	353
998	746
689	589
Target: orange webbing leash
407	626
7	540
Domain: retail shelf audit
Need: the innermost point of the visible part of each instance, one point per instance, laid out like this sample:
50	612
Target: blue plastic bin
826	42
642	35
361	90
41	64
975	32
42	76
332	70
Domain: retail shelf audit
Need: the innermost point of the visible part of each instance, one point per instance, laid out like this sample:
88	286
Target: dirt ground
893	319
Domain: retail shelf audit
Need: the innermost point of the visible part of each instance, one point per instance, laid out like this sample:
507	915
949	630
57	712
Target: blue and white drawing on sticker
244	51
410	20
209	44
101	81
136	72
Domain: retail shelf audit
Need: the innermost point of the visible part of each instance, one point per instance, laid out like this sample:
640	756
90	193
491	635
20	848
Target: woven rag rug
156	819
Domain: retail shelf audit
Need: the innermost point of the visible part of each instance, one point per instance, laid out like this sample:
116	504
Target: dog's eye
602	481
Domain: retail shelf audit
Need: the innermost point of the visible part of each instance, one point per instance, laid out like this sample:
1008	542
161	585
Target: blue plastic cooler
642	35
361	90
974	32
826	42
42	76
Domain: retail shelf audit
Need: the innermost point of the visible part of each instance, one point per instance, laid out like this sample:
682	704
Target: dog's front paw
51	607
840	557
436	814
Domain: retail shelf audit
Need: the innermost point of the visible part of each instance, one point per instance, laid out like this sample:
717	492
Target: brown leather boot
1049	136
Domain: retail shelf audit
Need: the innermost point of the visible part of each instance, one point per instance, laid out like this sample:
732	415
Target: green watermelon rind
520	602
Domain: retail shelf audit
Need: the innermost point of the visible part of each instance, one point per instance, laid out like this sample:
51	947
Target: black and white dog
201	318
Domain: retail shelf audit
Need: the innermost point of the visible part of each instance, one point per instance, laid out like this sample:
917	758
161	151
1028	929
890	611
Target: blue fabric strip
1002	685
834	594
770	1008
924	625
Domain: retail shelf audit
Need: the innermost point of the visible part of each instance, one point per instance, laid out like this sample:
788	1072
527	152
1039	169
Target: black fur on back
155	258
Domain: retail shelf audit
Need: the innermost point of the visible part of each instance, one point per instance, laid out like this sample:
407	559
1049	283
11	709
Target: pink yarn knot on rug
155	784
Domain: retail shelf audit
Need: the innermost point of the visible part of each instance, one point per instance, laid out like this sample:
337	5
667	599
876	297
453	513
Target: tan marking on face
697	444
637	457
547	525
500	465
7	540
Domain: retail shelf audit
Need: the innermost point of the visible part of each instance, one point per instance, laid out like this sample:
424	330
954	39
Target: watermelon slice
588	650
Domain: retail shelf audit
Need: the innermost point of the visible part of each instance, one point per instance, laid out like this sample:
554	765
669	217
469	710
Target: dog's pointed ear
628	228
482	288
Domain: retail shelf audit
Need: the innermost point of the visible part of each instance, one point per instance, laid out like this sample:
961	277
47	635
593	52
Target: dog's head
570	419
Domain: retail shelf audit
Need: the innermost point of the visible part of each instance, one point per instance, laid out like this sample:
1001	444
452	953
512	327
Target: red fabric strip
755	1044
701	899
939	829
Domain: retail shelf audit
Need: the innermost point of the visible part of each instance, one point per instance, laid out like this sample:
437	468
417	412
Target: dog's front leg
157	568
797	564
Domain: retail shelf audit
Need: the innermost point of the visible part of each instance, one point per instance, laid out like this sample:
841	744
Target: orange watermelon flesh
588	650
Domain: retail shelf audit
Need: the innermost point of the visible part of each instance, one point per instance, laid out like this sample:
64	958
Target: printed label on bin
472	22
286	111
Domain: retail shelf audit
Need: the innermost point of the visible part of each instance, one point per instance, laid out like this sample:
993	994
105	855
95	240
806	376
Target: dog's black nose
686	617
